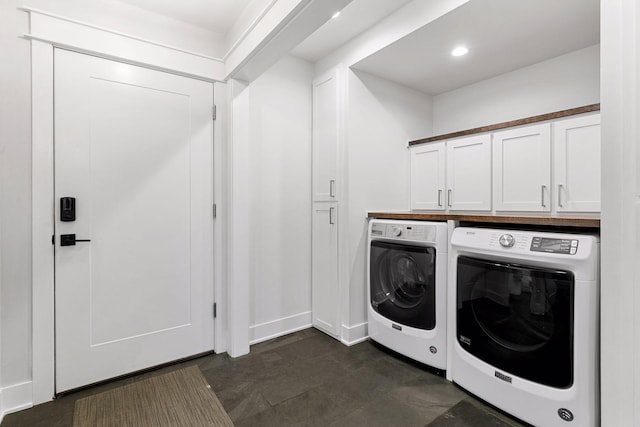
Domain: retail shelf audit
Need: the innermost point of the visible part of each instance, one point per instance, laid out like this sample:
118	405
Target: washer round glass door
402	283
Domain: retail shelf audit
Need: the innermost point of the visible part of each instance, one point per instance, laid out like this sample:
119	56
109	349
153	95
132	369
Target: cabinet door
428	176
324	270
469	174
576	161
522	169
326	123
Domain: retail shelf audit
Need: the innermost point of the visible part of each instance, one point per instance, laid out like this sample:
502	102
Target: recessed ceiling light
459	51
335	15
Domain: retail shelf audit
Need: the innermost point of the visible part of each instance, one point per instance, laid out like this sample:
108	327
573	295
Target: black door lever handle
70	240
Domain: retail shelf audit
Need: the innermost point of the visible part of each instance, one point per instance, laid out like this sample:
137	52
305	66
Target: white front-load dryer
524	322
407	279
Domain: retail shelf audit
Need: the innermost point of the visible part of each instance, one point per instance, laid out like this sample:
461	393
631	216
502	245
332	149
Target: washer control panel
507	240
554	246
420	233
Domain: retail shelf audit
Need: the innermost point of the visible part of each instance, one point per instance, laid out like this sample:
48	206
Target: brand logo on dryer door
503	377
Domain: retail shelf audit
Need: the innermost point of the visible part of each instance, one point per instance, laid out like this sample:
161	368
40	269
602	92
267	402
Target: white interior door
133	146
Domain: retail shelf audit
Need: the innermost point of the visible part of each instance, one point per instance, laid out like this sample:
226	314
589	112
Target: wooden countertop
583	221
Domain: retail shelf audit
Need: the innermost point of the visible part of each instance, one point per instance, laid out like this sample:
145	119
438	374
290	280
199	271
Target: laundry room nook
319	212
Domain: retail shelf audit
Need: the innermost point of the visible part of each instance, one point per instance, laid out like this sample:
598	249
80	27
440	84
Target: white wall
567	81
280	192
1	403
15	196
620	231
15	157
381	118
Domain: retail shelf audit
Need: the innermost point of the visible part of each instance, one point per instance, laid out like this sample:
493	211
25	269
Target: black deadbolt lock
67	209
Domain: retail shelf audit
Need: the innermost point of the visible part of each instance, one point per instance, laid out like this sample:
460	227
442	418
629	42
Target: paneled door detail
576	160
134	263
522	169
428	176
325	298
469	173
326	132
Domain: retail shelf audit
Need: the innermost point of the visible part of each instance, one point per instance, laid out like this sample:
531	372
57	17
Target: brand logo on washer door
565	414
503	377
465	340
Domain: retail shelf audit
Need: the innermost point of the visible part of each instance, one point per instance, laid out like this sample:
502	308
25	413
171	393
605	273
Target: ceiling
213	15
502	36
355	18
220	15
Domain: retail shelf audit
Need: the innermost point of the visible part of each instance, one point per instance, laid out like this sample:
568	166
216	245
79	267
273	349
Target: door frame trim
89	40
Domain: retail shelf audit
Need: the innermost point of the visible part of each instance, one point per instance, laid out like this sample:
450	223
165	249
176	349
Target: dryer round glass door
517	318
402	281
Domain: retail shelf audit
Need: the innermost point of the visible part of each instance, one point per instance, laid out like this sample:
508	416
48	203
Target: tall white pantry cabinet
326	184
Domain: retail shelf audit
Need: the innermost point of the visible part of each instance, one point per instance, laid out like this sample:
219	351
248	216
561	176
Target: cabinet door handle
439	197
542	188
331	216
332	185
449	197
559	195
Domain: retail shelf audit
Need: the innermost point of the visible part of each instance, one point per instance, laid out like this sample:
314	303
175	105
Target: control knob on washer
397	231
507	240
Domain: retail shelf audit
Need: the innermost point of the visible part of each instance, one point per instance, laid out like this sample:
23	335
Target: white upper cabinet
326	131
469	174
428	176
551	167
576	164
522	169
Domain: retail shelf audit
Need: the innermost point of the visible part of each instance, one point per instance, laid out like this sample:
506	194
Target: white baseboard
354	334
277	328
16	398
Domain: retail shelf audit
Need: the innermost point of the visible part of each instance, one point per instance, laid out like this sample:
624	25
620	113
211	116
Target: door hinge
215	310
215	211
214	112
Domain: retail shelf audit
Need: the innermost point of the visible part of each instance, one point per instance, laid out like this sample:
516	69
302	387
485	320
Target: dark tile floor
310	379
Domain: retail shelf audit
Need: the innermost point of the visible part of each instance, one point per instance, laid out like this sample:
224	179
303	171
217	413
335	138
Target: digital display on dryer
555	246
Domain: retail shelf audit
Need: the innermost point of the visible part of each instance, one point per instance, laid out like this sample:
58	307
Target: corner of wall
238	217
15	398
352	335
279	327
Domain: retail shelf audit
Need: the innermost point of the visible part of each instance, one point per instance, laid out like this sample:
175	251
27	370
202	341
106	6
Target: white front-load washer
407	279
524	322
